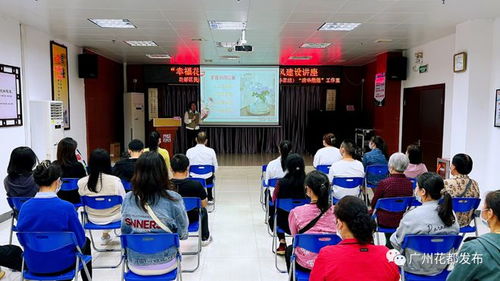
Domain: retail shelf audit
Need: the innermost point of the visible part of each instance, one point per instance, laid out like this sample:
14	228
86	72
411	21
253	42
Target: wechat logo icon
395	257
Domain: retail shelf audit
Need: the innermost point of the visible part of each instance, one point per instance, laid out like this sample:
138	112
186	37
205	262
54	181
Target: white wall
36	86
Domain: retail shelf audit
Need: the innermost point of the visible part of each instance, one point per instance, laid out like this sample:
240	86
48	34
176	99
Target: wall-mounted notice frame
10	96
60	80
497	108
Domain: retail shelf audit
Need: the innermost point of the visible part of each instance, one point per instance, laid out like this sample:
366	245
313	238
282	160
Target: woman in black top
71	168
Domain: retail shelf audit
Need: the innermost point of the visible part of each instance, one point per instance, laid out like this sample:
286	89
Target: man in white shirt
348	167
203	155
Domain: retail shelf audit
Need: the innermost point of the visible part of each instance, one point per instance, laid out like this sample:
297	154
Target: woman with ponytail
329	154
355	257
431	218
315	217
277	167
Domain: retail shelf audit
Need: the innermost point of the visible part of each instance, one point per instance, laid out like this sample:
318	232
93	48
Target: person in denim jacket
377	156
150	187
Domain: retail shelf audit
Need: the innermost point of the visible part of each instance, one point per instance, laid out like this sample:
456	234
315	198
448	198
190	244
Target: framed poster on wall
60	80
497	108
10	96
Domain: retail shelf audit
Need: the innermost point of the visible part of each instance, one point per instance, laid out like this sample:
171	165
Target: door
423	118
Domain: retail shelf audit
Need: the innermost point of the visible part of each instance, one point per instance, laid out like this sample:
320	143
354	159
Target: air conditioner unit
47	128
133	117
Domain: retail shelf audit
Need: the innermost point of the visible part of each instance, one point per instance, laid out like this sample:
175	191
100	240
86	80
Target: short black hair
414	154
136	145
349	147
463	163
179	163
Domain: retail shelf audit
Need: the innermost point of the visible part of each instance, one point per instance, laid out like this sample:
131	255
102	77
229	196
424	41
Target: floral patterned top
456	187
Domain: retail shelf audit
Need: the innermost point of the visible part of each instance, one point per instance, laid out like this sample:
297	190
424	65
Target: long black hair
150	181
22	161
380	144
46	173
433	184
353	211
285	148
153	141
295	172
99	163
320	185
66	149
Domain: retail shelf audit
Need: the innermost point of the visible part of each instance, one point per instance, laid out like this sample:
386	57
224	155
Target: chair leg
275	244
100	250
11	229
76	269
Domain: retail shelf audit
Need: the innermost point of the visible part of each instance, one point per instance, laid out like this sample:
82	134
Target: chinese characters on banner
186	74
308	75
60	82
379	93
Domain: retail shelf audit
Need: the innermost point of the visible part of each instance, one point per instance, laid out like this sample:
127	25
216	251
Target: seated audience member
376	156
100	182
431	218
71	168
11	256
190	188
154	145
290	186
460	185
276	169
124	169
47	213
416	167
347	167
329	154
200	154
396	185
486	246
19	181
355	257
153	207
316	217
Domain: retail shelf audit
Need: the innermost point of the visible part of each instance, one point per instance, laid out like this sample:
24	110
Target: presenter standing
192	120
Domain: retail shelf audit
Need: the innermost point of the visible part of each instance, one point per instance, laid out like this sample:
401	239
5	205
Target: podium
167	128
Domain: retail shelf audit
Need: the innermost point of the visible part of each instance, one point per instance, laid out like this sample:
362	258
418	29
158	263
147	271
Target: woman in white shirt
348	167
329	154
100	182
277	167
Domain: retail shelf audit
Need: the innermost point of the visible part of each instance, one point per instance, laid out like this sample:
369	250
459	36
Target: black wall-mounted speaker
396	68
87	66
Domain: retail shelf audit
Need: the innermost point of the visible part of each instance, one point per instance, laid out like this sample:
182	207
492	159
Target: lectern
167	128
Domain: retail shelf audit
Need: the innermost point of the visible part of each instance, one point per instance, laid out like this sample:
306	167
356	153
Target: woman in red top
355	258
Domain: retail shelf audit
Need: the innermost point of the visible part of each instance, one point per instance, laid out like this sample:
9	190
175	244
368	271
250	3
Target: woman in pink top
316	217
416	167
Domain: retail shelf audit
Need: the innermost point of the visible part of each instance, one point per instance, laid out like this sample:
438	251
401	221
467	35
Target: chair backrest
379	170
69	184
432	244
273	182
314	242
192	203
465	204
287	204
413	182
149	243
201	169
16	203
323	168
347	182
394	204
101	202
48	252
264	168
126	185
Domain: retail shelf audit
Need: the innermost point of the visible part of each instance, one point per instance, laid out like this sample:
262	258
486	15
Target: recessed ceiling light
141	43
300	58
112	23
227	25
315	45
383	40
158	56
339	26
230	57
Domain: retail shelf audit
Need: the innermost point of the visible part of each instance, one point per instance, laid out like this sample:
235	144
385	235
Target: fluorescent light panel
112	23
141	43
315	45
339	26
300	58
158	56
227	25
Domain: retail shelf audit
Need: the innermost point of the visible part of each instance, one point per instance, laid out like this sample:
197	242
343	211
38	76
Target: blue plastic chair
271	183
47	252
379	171
126	185
71	184
263	185
429	244
466	204
284	204
15	204
413	182
323	168
204	170
312	243
150	243
194	203
390	204
346	182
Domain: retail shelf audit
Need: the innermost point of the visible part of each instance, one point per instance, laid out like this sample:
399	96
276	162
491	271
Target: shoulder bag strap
467	187
311	223
156	219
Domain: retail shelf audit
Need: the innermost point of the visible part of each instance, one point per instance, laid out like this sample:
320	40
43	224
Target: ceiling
275	28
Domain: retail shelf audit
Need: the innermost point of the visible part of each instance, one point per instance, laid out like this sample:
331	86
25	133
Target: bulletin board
10	96
60	80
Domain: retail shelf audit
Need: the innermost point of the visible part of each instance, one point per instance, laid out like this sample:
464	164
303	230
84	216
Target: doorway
423	119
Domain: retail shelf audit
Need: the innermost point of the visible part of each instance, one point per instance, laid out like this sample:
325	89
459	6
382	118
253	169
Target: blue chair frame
70	184
466	204
285	204
312	243
50	243
203	170
150	243
346	182
390	204
194	203
269	203
429	244
263	185
126	185
323	168
15	204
